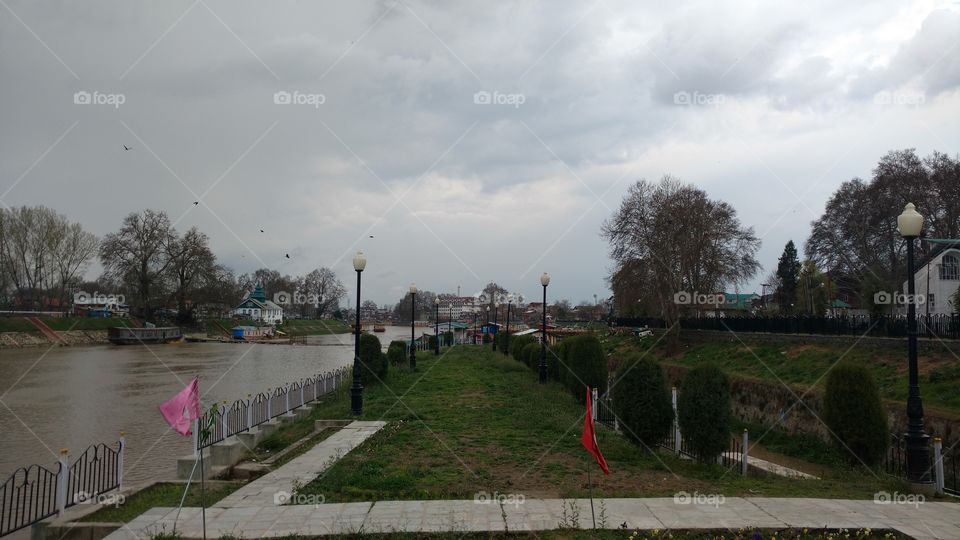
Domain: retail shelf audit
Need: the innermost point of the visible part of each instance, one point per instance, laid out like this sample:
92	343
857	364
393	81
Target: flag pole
203	505
590	487
182	498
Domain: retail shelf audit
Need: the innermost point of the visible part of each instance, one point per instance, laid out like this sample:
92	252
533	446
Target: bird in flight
288	255
371	236
125	147
196	203
261	230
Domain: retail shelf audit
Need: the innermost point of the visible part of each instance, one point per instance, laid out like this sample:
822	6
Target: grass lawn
19	324
804	365
475	421
305	327
162	495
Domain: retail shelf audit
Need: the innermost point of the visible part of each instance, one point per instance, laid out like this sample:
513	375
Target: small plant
570	515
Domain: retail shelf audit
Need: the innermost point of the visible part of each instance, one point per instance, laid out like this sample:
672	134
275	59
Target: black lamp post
436	327
496	309
544	280
450	323
910	223
486	325
356	390
413	318
506	337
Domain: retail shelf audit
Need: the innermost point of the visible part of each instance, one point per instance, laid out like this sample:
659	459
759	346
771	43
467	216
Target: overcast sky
475	141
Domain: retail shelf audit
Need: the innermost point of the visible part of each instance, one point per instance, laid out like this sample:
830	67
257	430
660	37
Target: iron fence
222	422
931	326
34	493
944	469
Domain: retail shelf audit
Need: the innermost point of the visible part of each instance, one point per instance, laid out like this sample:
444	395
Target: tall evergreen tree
788	271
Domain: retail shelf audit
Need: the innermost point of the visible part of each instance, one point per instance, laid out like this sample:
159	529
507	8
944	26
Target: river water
71	397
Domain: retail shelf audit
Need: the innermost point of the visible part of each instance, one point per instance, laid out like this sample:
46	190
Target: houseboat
119	335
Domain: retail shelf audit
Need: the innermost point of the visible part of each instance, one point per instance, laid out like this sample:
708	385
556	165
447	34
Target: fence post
301	393
938	464
593	410
62	481
196	437
223	419
316	382
744	452
286	397
269	404
676	423
123	445
249	413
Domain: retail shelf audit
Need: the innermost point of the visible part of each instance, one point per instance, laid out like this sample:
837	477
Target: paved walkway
276	487
930	520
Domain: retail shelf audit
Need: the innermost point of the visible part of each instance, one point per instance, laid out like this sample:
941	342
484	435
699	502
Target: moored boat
119	335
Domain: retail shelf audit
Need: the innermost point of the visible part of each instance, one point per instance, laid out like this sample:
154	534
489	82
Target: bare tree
322	289
673	239
137	255
191	265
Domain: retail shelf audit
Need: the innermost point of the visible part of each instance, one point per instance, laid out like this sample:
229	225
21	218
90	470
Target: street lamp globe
413	288
359	261
545	279
910	222
436	301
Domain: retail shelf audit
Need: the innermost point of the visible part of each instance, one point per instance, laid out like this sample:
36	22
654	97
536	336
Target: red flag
589	437
182	409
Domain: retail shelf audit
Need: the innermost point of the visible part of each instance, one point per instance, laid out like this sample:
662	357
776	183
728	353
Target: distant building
459	306
256	306
937	279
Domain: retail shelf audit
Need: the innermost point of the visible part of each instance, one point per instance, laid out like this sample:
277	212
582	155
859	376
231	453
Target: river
71	397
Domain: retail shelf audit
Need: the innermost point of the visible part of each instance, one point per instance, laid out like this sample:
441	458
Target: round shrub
642	401
373	363
853	411
502	342
587	365
516	347
703	411
557	361
432	342
397	352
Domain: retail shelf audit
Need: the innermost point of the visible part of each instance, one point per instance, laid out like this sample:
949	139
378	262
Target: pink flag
182	409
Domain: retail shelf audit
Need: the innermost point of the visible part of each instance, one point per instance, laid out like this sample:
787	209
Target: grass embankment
475	421
306	327
161	495
60	324
806	364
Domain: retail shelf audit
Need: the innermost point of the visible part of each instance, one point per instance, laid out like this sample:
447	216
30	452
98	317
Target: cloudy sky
474	141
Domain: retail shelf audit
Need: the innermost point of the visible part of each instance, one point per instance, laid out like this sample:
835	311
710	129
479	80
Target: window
932	299
950	268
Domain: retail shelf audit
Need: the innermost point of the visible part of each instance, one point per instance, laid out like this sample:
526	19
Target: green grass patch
306	327
165	494
474	421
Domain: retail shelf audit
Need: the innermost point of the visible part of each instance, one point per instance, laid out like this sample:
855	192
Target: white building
937	279
256	306
459	306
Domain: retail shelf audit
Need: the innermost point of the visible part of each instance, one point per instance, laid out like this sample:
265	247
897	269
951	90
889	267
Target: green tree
642	402
854	413
703	411
788	273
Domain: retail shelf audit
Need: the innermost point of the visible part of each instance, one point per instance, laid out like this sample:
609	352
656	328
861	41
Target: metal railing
931	326
34	493
944	466
224	421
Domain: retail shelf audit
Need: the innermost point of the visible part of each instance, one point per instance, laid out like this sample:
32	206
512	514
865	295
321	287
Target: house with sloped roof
256	306
937	278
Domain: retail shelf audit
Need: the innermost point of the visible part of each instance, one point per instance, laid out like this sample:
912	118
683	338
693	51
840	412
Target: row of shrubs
852	409
575	362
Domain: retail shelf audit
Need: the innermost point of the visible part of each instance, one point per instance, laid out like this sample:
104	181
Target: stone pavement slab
929	520
277	486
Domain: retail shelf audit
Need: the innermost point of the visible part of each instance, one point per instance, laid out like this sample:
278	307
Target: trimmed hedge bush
373	363
516	347
397	352
432	342
587	365
502	342
642	401
531	355
853	411
556	362
703	411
